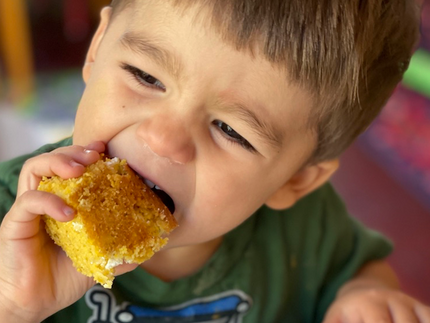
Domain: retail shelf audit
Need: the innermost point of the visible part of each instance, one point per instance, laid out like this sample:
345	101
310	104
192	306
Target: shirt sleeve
329	247
345	246
9	174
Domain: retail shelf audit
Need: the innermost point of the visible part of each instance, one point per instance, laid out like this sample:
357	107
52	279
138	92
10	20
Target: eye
143	78
230	134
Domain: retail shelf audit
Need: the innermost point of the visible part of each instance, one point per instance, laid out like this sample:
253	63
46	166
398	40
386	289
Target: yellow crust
118	218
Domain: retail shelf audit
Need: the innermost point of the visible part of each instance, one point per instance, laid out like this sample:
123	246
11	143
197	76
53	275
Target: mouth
164	197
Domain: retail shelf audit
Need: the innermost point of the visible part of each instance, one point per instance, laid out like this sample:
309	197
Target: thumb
124	268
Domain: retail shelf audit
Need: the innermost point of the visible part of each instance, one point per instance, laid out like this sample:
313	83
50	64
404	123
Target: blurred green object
417	77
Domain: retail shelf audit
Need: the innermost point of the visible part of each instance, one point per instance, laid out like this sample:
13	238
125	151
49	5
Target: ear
302	183
95	43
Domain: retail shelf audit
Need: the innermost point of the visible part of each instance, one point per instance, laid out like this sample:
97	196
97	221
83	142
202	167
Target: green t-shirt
278	266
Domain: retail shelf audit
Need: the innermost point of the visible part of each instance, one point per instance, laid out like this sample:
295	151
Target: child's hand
36	277
380	305
366	304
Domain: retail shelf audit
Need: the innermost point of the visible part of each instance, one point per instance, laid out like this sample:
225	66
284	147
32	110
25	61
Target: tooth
149	183
157	188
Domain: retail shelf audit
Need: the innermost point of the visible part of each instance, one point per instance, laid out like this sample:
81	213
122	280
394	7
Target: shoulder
320	225
324	204
312	227
323	245
10	170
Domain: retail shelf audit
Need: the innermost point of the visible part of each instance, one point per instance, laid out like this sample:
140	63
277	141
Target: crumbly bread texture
118	219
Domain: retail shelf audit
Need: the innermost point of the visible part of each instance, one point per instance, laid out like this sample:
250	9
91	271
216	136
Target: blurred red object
76	20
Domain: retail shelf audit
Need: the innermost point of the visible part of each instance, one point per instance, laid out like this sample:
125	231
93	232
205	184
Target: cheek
102	113
239	186
234	198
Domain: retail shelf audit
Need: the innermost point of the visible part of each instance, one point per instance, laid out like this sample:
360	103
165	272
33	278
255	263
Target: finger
402	312
22	221
67	163
423	313
332	317
351	317
47	165
83	155
125	268
343	315
377	313
98	146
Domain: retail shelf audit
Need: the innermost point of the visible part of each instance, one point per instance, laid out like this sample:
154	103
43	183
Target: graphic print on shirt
226	307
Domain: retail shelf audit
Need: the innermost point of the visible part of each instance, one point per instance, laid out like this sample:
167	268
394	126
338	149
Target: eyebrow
143	45
265	130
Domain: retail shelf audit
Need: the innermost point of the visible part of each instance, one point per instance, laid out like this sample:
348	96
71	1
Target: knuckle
32	197
33	194
52	199
29	162
60	155
422	311
383	320
23	198
400	298
68	149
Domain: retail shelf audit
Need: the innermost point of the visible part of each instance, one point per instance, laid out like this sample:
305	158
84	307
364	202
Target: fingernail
68	211
93	146
87	151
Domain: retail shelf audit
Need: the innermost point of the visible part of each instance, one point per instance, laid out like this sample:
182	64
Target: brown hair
349	55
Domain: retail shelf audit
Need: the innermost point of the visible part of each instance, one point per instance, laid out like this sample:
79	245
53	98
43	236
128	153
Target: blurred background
384	177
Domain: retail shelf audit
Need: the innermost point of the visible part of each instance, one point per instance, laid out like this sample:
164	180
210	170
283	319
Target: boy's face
218	130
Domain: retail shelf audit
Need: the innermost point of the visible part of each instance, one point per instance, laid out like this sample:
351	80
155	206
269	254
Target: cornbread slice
118	219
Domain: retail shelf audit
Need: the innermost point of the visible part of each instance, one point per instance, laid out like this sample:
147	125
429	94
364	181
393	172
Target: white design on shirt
225	307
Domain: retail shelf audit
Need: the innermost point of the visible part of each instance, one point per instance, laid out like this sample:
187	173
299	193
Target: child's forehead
232	25
157	17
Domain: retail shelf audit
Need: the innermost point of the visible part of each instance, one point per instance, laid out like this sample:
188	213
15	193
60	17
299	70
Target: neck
176	263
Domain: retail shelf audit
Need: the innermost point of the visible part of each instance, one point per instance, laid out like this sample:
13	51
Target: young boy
238	110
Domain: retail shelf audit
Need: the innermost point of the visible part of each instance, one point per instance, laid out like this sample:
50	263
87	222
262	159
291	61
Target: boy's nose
168	137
